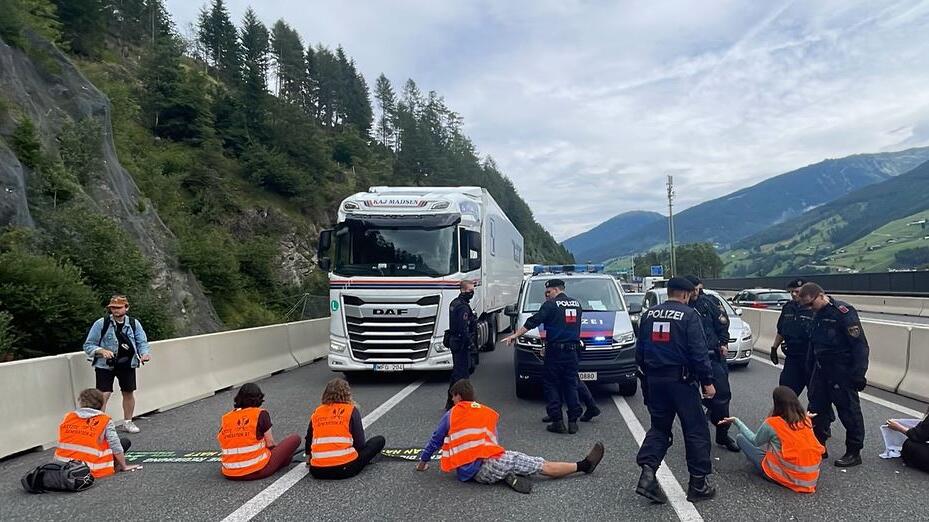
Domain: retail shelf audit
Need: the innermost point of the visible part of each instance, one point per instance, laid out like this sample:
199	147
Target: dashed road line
263	499
685	510
866	396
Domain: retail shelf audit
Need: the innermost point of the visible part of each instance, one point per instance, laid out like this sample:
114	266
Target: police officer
839	358
715	323
793	333
561	316
671	353
461	326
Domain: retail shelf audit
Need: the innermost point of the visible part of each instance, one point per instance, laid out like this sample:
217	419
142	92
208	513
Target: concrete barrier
36	395
309	340
916	381
246	355
889	351
753	318
767	329
83	377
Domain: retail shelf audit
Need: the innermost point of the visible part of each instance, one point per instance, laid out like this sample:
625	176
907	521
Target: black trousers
916	455
560	383
718	406
372	447
666	399
462	366
826	391
796	372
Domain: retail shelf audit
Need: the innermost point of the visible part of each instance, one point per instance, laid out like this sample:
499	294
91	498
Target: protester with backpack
88	435
116	346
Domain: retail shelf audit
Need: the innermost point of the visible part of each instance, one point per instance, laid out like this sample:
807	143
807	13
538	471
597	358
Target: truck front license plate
388	367
587	376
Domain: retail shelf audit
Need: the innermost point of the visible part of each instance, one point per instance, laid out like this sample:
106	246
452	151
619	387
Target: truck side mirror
325	241
324	263
635	308
510	310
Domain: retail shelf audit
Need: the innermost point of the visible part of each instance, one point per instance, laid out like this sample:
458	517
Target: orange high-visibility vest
242	451
84	440
332	443
471	435
796	465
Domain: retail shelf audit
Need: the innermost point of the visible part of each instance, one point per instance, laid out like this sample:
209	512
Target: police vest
242	452
332	443
796	465
84	440
470	436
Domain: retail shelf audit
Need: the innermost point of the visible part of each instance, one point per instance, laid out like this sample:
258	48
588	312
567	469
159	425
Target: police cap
680	284
554	283
694	280
796	283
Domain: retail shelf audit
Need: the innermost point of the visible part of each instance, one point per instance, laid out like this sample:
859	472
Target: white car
741	342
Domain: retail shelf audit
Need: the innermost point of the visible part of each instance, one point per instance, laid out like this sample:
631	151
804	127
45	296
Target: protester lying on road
89	435
784	449
467	435
908	438
248	448
335	437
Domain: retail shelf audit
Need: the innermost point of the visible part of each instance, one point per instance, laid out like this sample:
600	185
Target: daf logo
390	311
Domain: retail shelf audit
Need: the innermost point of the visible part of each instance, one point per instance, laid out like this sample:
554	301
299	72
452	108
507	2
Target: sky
588	105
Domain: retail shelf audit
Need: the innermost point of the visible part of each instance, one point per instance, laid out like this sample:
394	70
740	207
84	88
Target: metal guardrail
913	284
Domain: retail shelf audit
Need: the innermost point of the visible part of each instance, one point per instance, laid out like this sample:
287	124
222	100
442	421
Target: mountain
730	218
594	244
135	162
851	229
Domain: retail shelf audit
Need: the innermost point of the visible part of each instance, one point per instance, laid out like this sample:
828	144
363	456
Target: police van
607	353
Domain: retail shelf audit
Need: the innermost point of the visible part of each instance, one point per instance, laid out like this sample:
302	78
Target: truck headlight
624	338
438	347
337	346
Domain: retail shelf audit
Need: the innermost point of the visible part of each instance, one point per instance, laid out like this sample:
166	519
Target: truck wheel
628	389
524	389
491	335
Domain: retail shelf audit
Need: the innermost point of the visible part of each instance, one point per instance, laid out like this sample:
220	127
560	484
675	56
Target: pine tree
287	50
220	40
255	61
328	81
83	25
311	85
387	104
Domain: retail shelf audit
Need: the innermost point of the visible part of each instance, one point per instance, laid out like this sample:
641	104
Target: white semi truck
395	259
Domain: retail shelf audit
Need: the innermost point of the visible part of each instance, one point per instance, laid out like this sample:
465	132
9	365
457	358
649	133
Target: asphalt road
391	490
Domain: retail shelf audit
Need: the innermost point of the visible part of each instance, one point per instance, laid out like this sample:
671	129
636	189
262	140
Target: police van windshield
594	294
395	251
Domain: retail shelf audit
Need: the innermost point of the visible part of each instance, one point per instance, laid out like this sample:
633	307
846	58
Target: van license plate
587	376
388	367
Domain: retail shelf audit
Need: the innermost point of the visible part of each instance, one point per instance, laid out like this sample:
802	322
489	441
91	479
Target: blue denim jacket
93	341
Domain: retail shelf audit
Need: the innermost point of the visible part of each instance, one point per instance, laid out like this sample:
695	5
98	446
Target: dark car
761	298
634	303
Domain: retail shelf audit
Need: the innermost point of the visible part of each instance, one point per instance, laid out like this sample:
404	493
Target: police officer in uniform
839	357
561	316
793	333
461	325
671	353
715	324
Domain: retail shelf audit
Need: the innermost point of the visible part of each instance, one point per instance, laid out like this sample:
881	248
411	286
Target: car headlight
527	340
746	333
438	347
336	346
624	338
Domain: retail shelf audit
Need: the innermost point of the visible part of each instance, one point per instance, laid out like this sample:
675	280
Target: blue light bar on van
558	269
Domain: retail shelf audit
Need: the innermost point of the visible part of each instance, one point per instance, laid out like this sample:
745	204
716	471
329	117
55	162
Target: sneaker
518	483
130	427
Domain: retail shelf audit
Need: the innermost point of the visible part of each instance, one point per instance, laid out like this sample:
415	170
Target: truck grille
398	330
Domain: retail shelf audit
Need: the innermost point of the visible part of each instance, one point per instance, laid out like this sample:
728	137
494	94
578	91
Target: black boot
590	413
556	427
648	486
546	419
572	427
727	442
700	489
851	458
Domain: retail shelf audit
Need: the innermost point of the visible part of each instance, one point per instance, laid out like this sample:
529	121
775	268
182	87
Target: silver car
741	342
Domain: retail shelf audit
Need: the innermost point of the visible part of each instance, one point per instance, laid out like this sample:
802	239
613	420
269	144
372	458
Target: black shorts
105	378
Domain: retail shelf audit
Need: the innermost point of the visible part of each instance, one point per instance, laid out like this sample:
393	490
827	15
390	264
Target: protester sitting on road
89	435
784	449
467	435
915	445
248	448
335	437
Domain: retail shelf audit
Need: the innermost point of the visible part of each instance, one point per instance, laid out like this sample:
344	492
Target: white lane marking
263	499
866	396
672	488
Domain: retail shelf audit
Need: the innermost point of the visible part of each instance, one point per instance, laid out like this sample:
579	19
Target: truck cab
607	337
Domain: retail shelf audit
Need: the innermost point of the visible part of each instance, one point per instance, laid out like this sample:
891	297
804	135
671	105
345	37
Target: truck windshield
594	294
395	251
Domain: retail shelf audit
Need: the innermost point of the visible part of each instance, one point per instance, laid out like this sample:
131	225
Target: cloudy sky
587	105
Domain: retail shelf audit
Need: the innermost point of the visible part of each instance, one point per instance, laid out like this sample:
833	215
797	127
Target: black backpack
73	475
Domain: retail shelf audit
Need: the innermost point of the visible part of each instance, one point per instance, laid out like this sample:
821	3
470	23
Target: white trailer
395	260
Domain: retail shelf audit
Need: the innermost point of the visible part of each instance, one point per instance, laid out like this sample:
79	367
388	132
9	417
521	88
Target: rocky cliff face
52	91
